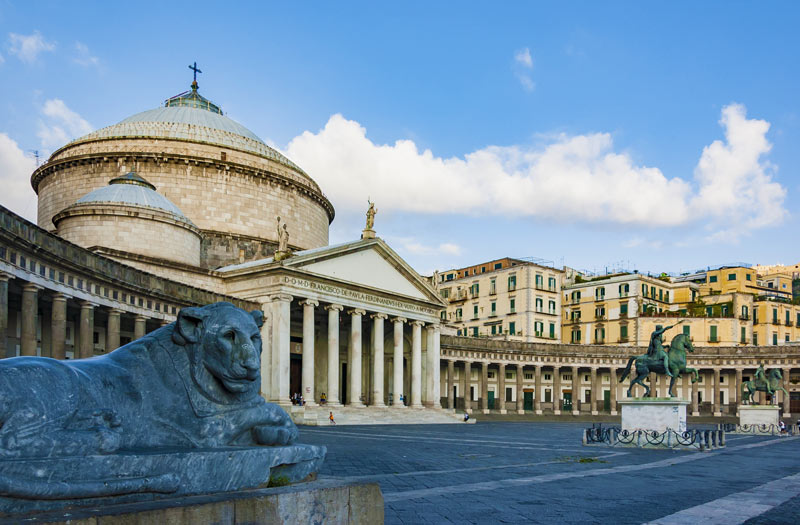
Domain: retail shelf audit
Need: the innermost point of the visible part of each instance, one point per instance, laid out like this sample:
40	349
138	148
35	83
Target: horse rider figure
656	348
761	374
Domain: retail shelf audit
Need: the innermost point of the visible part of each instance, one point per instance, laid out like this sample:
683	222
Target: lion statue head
225	342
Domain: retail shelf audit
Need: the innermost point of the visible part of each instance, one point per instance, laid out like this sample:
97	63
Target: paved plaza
539	473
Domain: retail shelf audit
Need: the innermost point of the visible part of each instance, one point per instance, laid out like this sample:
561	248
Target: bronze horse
676	354
770	385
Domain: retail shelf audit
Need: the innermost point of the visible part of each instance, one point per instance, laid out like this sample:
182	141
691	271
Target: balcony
540	287
623	315
713	339
789	323
745	317
492	291
458	296
600	341
512	287
600	317
623	340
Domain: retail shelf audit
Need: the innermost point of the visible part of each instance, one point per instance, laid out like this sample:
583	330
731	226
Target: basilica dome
224	178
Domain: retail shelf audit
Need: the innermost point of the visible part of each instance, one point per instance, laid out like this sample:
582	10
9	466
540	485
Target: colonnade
718	392
37	301
276	357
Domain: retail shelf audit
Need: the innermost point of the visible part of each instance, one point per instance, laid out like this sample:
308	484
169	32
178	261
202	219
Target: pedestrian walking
331	418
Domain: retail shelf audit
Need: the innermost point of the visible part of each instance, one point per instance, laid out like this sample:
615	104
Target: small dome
131	189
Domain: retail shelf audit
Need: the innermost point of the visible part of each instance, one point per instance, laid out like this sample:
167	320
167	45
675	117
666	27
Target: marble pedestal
760	415
654	413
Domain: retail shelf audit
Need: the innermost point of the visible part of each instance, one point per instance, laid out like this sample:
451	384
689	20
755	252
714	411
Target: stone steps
345	415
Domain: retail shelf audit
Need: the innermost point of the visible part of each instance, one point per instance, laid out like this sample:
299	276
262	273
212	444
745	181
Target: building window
512	328
528	376
600	335
458	314
492	287
539	281
551	307
623	332
512	305
713	336
539	304
512	283
666	296
644	290
600	312
474	289
494	308
712	278
731	276
774	338
552	330
576	336
551	284
624	289
497	266
600	293
483	269
547	377
538	328
490	374
744	335
687	330
474	331
747	277
475	311
623	309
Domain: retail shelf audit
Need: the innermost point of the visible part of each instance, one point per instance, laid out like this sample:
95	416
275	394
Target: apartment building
607	309
507	298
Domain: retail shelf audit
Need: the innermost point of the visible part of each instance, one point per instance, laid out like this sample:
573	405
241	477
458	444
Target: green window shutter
512	328
552	331
713	337
623	308
623	331
687	329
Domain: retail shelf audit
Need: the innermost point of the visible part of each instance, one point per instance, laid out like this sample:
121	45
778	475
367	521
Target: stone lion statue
188	385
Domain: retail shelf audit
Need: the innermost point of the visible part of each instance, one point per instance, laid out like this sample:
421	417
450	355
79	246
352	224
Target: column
308	392
4	315
652	382
280	318
576	391
485	387
355	367
30	310
613	386
112	329
538	391
717	406
139	326
377	361
333	354
738	389
58	326
685	380
520	389
437	368
594	390
451	383
432	377
266	351
416	364
695	407
557	390
466	381
787	411
86	349
397	363
501	388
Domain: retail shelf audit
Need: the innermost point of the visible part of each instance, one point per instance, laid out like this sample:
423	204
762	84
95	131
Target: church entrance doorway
491	400
343	389
607	400
296	375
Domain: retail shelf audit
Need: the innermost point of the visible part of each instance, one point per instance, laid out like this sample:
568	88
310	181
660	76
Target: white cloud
28	47
736	184
412	245
60	124
15	172
523	57
524	67
2	59
571	178
83	56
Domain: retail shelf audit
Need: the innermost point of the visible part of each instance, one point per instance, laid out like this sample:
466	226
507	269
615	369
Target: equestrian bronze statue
661	359
768	382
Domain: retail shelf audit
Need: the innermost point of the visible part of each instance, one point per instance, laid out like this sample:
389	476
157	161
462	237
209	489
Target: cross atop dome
193	99
193	67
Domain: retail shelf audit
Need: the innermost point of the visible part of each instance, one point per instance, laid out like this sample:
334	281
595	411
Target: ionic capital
309	302
334	308
357	311
400	320
282	297
378	316
417	322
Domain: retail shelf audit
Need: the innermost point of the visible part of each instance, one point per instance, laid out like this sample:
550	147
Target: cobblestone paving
540	473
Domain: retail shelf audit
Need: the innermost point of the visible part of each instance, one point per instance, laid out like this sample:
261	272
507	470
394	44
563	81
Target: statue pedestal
281	255
654	413
368	234
759	415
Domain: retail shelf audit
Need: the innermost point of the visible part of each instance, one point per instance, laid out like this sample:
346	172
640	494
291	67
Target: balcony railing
789	323
713	339
600	317
512	287
623	315
744	317
623	339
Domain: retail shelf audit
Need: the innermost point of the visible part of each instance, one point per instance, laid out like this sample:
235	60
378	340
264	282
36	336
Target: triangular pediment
366	263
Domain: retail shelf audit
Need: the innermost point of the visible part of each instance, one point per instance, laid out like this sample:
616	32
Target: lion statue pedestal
175	413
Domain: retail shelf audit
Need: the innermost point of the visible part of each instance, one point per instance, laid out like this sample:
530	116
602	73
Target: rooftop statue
175	412
767	382
669	360
371	211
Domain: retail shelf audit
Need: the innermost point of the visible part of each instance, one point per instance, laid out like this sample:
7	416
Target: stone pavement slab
501	472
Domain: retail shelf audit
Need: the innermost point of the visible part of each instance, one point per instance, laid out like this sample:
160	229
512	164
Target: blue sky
661	137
